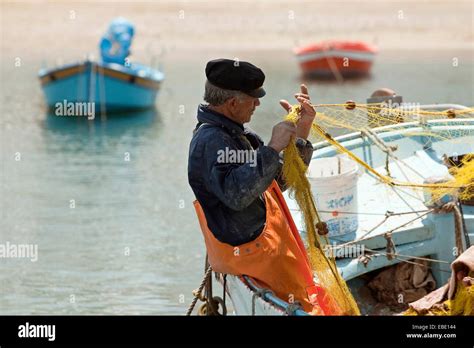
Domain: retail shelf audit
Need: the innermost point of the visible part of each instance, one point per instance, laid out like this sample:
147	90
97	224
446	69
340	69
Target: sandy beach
164	27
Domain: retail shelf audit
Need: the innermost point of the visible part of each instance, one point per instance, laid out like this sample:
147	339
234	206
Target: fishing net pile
352	117
461	304
456	297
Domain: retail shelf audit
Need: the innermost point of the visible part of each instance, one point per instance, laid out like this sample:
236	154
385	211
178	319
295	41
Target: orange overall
276	259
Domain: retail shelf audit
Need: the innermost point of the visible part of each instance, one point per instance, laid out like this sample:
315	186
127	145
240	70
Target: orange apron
276	259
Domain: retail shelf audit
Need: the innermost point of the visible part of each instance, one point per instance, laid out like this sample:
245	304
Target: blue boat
112	84
395	225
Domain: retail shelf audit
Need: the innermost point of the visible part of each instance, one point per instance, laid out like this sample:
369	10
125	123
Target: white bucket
334	184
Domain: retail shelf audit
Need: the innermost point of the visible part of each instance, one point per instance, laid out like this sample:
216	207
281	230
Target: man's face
243	108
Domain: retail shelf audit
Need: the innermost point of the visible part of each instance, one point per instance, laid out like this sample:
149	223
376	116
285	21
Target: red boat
336	58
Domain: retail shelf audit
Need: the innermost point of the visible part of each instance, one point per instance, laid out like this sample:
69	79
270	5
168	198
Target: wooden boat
111	84
336	59
414	231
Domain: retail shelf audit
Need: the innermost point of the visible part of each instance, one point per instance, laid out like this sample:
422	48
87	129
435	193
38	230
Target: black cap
237	76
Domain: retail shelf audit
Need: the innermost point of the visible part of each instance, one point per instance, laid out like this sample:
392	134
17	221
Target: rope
464	228
362	238
391	249
398	191
335	71
224	287
382	146
408	256
198	292
209	307
103	101
458	229
379	214
389	154
459	224
213	305
422	265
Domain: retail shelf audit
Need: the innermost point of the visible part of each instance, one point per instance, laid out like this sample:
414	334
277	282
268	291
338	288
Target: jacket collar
206	115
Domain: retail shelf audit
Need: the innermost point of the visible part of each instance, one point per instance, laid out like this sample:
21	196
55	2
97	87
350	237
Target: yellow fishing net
361	117
294	172
461	304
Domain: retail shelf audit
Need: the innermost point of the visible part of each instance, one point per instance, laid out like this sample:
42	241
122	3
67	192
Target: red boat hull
336	57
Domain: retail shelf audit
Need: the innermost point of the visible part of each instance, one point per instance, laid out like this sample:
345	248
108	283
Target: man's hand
306	114
281	135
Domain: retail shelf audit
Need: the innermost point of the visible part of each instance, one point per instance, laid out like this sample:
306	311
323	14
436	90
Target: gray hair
216	96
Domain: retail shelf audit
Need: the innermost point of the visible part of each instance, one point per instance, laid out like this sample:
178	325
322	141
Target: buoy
451	113
322	228
350	105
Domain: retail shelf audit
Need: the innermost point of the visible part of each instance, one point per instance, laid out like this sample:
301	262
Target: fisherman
246	224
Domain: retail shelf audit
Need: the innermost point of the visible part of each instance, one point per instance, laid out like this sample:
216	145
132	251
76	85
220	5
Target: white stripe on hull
362	56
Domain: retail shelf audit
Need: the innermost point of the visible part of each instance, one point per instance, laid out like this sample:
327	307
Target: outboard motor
115	44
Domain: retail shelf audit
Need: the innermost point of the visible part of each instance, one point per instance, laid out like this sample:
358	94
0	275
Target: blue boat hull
110	86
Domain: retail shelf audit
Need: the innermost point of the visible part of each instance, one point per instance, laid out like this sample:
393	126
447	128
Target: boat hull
336	58
431	236
110	86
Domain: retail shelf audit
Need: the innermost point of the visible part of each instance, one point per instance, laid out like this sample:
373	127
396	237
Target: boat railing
440	107
422	120
403	126
272	299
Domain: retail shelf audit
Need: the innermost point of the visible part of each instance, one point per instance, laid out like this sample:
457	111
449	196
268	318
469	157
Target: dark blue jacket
230	192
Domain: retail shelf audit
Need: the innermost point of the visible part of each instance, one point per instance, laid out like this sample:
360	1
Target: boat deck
431	235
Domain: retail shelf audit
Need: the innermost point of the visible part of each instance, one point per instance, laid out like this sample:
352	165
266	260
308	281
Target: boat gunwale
269	297
114	71
395	131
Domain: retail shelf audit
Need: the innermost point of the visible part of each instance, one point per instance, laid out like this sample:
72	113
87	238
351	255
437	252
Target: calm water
132	244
